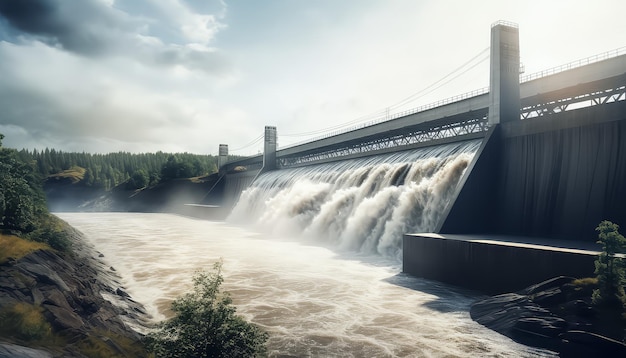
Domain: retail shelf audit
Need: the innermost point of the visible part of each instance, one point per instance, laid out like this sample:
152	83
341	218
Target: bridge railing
578	63
396	115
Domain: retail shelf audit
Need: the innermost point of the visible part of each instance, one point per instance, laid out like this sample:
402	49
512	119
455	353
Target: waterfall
363	204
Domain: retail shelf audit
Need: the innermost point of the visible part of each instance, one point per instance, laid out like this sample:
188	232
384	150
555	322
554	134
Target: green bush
205	324
610	268
25	321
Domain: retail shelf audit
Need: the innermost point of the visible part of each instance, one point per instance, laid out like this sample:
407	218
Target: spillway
362	205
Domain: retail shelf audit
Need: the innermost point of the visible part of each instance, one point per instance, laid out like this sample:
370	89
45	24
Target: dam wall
556	176
561	176
529	203
235	184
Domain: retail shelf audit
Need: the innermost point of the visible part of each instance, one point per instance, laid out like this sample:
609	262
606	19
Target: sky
104	76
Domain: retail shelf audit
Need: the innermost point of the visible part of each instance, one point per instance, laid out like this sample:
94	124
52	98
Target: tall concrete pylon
269	149
504	100
222	157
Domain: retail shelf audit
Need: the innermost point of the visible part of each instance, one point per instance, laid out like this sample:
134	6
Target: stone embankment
80	299
556	314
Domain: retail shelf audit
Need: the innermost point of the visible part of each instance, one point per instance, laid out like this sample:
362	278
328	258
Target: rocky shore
556	314
83	308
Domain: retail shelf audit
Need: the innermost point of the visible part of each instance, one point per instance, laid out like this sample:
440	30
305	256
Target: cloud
97	29
79	104
148	75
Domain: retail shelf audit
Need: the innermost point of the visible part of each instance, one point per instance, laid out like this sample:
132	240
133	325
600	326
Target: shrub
609	267
205	325
25	321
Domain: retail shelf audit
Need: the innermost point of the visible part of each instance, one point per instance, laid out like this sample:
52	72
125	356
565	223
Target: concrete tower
504	102
222	157
269	150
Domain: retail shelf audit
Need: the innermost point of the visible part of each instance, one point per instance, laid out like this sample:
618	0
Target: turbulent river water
315	301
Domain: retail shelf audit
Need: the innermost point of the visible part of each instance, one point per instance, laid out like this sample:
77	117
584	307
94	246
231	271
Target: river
314	301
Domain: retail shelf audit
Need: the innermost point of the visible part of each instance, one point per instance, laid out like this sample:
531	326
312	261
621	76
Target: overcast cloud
187	75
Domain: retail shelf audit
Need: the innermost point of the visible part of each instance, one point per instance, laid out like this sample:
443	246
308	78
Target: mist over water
314	301
318	263
362	205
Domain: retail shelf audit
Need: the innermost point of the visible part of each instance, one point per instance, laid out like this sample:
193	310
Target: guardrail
396	115
578	63
523	78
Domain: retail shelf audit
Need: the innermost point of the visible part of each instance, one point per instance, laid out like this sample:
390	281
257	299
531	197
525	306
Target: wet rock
549	297
121	293
553	314
556	282
543	326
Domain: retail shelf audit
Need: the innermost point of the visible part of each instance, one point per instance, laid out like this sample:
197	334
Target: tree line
109	170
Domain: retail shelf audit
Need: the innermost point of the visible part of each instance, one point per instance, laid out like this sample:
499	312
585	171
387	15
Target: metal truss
476	124
575	102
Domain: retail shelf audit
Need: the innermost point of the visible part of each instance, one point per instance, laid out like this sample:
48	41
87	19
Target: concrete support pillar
504	97
222	157
269	150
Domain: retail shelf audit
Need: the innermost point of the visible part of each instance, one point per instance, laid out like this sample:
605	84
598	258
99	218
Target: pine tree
610	268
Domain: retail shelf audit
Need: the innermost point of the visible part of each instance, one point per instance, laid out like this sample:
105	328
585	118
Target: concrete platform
206	212
495	264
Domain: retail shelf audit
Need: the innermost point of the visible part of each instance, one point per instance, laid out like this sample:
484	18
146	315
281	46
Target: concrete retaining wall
490	266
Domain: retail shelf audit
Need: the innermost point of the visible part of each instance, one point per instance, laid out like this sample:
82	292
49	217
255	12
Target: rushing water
314	301
320	268
362	205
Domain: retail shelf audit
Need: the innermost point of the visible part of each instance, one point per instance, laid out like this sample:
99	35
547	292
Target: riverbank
64	304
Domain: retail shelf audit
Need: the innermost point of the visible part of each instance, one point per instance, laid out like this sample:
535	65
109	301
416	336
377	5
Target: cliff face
61	304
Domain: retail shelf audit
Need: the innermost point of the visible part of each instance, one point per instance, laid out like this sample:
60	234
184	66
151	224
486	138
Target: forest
109	170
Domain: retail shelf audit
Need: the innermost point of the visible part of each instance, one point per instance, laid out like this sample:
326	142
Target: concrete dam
507	184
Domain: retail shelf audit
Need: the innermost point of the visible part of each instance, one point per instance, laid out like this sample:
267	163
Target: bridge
597	80
552	163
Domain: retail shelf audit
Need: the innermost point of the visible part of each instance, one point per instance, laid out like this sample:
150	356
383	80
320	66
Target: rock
88	304
556	282
15	351
62	318
549	297
585	344
44	274
71	290
121	293
554	314
38	297
543	326
56	298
